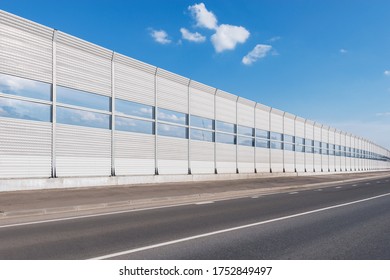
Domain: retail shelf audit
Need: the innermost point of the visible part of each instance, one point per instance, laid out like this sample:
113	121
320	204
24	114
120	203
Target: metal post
236	134
255	135
155	124
215	132
189	127
112	115
54	105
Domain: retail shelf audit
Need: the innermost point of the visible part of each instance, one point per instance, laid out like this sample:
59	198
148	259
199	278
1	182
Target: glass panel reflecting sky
225	138
276	145
133	125
276	136
224	126
299	140
24	87
172	131
171	116
245	141
202	135
299	148
134	109
289	147
244	130
83	118
309	149
82	99
18	109
262	133
289	138
262	143
201	122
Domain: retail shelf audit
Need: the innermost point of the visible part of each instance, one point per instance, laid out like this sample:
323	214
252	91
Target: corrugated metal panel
332	166
300	162
246	112
262	117
289	165
25	149
317	163
25	48
246	159
134	80
309	162
134	153
262	160
202	100
172	161
331	136
276	160
289	127
317	132
82	65
226	106
276	120
325	134
300	127
226	158
309	130
83	151
172	91
202	157
349	159
325	163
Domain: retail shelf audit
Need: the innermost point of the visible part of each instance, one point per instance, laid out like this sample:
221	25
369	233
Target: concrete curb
184	199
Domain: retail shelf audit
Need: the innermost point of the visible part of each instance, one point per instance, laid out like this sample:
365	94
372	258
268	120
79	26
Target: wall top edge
289	116
226	95
134	63
316	124
247	102
263	107
326	127
300	119
202	87
172	76
277	112
309	122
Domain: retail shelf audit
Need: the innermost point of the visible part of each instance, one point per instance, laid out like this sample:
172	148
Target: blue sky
328	61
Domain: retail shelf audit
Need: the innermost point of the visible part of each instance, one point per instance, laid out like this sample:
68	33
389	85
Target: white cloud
257	53
203	17
160	36
193	37
387	72
228	36
343	51
274	39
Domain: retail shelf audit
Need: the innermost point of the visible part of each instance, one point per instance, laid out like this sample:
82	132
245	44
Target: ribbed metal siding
289	162
332	159
276	120
172	155
309	157
299	156
245	112
325	139
83	151
337	158
25	48
226	107
289	129
246	159
276	160
317	157
134	154
202	157
349	159
226	158
172	91
202	100
343	158
25	149
134	80
262	160
262	116
288	124
82	65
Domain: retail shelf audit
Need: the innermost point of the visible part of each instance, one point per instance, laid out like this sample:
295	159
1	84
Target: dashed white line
378	182
255	196
368	183
154	246
354	185
293	192
319	190
204	202
338	187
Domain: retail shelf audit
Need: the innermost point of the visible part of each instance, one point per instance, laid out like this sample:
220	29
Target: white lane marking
338	187
234	228
368	183
204	202
354	185
378	182
255	196
293	192
319	190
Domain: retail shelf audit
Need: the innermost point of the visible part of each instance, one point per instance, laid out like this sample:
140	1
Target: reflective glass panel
82	118
172	131
83	99
317	150
276	145
134	109
289	138
224	126
288	147
331	152
202	135
225	138
171	116
309	149
299	140
244	130
317	144
18	109
299	148
260	143
276	136
24	87
133	125
309	142
262	133
246	141
201	122
324	151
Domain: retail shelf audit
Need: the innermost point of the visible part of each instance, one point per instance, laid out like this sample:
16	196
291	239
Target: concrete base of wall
78	182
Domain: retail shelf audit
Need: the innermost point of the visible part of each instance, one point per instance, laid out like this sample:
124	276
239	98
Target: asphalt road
354	225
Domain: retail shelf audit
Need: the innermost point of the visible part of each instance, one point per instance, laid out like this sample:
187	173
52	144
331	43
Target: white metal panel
343	158
202	100
276	160
288	124
300	161
337	158
309	157
83	151
134	153
276	120
226	158
172	91
134	80
325	140
331	136
289	161
25	48
317	132
309	130
262	160
300	127
202	157
262	117
317	163
172	155
245	112
309	162
226	107
82	65
246	159
25	148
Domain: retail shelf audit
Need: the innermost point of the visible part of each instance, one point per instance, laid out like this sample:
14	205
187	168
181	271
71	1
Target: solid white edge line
232	229
204	202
